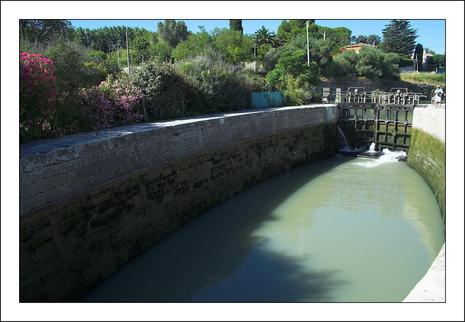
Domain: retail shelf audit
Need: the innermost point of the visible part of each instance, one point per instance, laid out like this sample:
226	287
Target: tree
45	30
370	39
374	39
109	39
369	62
173	32
418	55
399	37
289	29
236	24
334	37
141	45
438	60
193	46
264	36
292	76
320	50
265	40
235	46
292	64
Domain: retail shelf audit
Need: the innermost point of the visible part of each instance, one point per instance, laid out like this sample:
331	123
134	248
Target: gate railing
378	116
358	95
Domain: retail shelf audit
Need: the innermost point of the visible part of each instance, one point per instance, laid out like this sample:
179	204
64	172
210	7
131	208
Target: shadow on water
217	258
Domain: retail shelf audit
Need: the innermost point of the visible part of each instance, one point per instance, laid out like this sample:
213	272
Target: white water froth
372	148
387	157
344	139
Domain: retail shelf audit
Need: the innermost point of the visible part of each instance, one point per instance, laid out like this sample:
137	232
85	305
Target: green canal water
339	230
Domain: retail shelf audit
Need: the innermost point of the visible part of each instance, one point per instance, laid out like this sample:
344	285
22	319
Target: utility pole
127	50
255	57
308	49
324	35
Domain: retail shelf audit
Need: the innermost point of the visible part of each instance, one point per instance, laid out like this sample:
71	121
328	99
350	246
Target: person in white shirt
438	92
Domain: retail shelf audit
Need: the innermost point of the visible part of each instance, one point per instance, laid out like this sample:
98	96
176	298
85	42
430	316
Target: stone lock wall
89	204
427	153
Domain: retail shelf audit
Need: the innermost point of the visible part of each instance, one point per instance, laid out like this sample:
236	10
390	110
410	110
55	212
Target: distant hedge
369	62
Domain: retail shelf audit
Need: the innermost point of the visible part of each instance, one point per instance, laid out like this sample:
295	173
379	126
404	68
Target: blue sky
431	32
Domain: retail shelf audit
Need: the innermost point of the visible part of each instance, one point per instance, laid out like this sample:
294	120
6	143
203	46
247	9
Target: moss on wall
428	157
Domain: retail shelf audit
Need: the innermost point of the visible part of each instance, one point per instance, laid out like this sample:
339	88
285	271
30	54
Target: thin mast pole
308	49
127	51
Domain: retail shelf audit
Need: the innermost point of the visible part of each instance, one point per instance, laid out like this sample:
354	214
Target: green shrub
275	77
71	72
216	84
391	66
167	94
292	60
292	76
235	46
110	66
256	82
295	93
270	59
370	63
75	71
193	46
374	63
405	61
438	60
71	115
161	50
224	86
343	64
96	56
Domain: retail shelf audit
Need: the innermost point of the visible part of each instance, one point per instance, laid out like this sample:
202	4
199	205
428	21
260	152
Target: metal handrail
358	95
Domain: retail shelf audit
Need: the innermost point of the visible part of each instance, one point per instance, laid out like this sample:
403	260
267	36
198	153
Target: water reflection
331	231
192	263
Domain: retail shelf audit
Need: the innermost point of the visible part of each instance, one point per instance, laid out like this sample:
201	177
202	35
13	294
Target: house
426	63
426	57
354	47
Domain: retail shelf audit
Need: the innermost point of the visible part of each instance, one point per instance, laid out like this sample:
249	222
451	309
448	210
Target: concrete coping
47	145
431	119
432	287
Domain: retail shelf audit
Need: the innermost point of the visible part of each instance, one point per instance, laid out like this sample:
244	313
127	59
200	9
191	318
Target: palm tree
264	36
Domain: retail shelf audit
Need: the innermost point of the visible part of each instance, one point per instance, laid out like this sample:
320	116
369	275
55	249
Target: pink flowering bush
37	95
56	100
113	102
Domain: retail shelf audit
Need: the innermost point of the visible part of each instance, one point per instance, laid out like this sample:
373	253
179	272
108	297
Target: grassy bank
432	79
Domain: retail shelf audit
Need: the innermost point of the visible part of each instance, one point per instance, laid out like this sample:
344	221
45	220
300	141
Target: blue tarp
267	99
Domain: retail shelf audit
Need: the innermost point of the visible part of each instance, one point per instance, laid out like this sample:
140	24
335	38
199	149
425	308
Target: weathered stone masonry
88	204
427	153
